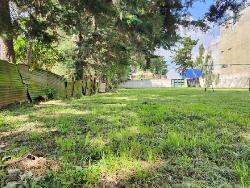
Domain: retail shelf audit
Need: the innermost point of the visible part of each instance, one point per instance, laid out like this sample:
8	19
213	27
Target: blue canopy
189	74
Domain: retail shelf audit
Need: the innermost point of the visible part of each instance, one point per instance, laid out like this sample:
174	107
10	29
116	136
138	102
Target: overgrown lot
140	138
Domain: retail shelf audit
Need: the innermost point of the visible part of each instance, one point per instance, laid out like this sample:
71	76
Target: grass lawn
131	138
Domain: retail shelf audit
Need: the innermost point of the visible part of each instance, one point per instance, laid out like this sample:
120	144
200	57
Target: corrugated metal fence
19	84
12	89
40	82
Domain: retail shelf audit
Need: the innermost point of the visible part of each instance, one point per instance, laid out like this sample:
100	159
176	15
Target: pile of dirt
38	165
29	168
117	177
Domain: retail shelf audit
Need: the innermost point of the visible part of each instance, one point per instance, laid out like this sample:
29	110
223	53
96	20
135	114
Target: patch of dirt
112	179
246	134
38	165
51	103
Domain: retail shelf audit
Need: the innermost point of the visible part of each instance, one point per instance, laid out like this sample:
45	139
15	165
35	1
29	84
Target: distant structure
145	75
191	74
231	55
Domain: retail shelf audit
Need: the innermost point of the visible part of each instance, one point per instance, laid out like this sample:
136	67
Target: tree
107	34
218	12
204	62
107	44
33	19
200	58
158	66
6	30
42	55
207	71
183	55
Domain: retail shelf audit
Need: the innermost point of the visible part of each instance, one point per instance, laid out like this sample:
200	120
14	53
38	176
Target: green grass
137	138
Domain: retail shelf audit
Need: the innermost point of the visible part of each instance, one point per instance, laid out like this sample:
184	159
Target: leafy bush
51	93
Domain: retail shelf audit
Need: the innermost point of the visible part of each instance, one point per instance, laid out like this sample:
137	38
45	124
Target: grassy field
131	138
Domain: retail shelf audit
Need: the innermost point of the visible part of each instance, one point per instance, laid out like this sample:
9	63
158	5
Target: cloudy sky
212	36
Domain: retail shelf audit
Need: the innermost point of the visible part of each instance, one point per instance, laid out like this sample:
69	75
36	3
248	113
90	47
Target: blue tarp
190	74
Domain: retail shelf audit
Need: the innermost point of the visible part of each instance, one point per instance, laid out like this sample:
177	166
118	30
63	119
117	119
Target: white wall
146	84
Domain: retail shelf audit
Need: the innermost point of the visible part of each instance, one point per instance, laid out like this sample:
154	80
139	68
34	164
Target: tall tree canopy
107	34
183	55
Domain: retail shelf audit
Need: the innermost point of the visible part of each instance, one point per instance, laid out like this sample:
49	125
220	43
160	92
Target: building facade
231	55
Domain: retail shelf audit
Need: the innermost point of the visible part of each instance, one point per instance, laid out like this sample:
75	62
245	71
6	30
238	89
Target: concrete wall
233	82
146	84
231	55
234	52
234	43
215	53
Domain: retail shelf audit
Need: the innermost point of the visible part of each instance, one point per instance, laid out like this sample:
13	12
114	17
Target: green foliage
200	57
42	56
205	63
158	66
218	12
108	45
50	93
65	66
183	55
109	32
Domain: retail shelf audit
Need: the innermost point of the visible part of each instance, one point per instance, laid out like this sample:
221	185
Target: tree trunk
94	85
8	50
6	32
148	62
79	63
94	23
29	52
73	87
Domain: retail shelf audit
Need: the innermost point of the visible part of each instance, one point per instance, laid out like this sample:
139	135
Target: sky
200	8
212	36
